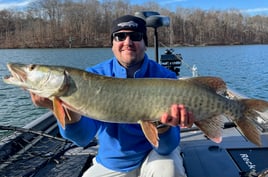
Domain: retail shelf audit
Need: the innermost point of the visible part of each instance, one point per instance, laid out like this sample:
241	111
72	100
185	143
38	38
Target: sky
253	7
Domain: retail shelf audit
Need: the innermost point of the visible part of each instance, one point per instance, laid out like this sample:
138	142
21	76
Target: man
123	148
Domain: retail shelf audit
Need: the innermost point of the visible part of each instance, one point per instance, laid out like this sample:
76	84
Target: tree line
87	23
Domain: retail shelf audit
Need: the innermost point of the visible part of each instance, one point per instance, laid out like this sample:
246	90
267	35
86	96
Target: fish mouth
18	75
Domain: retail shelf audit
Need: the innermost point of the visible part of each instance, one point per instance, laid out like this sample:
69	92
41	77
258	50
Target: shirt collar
121	72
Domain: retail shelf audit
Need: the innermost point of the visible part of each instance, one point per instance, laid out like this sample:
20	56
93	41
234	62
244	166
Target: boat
37	149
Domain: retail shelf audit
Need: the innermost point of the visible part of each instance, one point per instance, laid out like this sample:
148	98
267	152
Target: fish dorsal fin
212	127
215	84
150	132
59	112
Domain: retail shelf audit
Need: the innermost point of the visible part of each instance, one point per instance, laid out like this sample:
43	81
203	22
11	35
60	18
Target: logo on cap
130	24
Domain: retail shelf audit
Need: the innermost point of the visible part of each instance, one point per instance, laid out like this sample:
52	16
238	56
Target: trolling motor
155	20
171	61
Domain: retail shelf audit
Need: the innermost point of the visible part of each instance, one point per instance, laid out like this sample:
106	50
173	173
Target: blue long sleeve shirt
122	147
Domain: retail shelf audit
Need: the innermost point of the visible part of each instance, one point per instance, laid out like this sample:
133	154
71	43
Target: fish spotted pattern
139	100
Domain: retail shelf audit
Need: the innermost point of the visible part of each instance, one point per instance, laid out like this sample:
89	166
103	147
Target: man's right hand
47	103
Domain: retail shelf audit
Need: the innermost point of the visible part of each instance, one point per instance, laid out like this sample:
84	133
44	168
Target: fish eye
31	67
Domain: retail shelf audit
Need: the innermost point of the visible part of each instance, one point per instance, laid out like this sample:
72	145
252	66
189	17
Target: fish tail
254	110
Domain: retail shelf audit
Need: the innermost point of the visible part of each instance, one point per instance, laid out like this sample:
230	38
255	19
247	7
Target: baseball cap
130	22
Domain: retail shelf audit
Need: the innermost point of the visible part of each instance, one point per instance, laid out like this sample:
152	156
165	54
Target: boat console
235	156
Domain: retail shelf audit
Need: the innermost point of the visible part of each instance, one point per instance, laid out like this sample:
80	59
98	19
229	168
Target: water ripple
244	68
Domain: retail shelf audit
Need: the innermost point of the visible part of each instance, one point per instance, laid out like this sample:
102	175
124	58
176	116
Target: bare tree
87	23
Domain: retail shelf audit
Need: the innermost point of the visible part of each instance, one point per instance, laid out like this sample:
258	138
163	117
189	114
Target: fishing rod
169	60
173	60
29	130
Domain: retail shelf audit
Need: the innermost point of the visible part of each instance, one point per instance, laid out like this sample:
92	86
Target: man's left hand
179	116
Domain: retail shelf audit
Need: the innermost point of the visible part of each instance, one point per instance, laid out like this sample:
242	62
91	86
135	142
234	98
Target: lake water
244	68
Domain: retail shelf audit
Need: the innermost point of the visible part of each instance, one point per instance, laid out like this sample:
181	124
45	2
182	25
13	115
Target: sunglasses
121	36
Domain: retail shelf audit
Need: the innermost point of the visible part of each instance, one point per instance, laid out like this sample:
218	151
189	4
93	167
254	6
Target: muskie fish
138	100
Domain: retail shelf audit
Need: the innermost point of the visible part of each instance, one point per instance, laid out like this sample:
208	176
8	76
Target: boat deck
31	154
235	156
45	153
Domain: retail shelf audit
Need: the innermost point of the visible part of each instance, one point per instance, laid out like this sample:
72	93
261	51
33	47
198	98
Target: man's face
128	47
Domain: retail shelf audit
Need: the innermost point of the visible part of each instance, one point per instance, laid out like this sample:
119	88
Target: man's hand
178	116
47	103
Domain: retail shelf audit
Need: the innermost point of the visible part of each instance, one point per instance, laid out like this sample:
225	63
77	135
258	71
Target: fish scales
139	100
110	99
108	96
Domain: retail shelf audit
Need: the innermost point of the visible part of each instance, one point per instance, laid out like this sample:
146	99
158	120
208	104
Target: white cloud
256	10
14	4
170	1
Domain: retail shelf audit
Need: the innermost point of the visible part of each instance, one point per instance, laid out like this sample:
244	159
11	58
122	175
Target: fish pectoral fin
150	132
212	127
59	112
